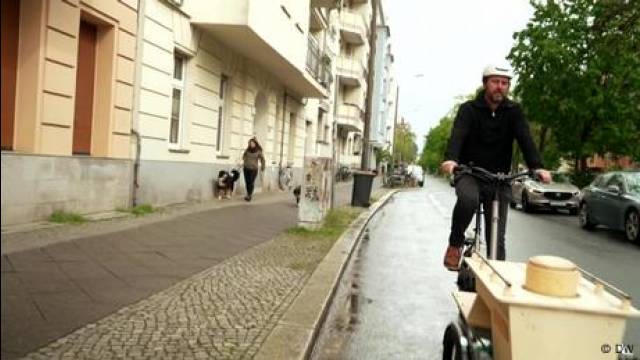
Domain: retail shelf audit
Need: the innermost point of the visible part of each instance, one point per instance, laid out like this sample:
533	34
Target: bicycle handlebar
486	175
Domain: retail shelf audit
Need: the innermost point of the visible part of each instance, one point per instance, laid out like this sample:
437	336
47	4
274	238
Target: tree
437	139
579	77
404	144
382	155
435	145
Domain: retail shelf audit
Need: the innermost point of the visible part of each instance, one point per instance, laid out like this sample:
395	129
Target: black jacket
486	138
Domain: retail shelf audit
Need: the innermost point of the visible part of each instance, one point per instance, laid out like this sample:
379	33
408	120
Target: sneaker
452	258
247	198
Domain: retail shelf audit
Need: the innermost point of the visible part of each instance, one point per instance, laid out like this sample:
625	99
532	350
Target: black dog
296	192
223	186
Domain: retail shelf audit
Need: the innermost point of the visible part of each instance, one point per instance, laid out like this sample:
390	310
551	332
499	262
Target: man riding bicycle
482	134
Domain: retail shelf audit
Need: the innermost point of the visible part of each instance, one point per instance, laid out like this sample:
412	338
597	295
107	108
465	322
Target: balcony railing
350	116
352	68
325	3
317	65
354	26
313	56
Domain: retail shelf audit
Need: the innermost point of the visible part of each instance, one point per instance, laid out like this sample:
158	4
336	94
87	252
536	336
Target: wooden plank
473	309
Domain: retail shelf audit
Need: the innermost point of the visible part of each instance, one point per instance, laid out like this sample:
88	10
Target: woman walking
252	158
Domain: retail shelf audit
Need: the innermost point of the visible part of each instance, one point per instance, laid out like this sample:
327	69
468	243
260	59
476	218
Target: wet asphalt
394	300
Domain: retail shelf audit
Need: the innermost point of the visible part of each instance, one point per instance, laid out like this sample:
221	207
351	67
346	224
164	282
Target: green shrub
334	224
63	217
139	210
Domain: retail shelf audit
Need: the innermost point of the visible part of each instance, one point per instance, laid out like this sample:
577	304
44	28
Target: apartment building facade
352	69
122	102
384	92
211	80
67	92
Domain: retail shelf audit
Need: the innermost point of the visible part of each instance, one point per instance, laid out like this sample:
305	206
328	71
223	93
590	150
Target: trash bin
362	184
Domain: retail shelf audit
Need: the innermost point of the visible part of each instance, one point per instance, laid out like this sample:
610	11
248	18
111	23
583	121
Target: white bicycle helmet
497	70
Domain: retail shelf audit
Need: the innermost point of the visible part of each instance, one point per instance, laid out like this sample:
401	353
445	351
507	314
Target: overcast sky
449	43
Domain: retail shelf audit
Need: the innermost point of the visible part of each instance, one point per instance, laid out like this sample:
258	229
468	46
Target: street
394	300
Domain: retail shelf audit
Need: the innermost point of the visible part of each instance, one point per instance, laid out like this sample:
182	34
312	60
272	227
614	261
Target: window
602	180
616	181
348	50
308	138
177	97
224	80
293	132
357	145
319	124
633	183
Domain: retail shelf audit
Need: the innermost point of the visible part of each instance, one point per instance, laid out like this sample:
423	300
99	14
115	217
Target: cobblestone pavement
51	291
223	312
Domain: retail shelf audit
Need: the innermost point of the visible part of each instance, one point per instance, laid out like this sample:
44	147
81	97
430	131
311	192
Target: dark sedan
613	200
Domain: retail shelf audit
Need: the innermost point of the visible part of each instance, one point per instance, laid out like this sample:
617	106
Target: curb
295	333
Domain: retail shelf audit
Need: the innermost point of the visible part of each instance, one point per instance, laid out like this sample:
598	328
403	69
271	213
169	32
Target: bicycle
466	281
459	336
343	173
285	177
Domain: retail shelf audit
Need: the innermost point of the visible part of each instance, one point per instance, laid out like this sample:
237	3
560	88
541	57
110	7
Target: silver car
559	194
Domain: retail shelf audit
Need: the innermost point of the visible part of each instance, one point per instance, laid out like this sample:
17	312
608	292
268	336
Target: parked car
396	177
559	194
613	200
416	175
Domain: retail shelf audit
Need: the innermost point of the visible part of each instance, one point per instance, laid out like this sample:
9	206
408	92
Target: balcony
330	4
262	32
353	28
351	71
318	65
350	118
317	20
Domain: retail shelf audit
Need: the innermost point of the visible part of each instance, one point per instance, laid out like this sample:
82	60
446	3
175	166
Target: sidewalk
243	282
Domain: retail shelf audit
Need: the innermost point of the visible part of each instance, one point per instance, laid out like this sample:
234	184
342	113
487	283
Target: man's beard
497	97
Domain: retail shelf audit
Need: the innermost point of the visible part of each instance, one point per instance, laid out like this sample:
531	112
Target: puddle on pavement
343	315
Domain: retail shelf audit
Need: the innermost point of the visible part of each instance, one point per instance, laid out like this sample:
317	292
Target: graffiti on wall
316	190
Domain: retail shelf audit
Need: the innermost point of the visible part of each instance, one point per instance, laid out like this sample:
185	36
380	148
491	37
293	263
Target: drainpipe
136	169
334	136
135	111
284	116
